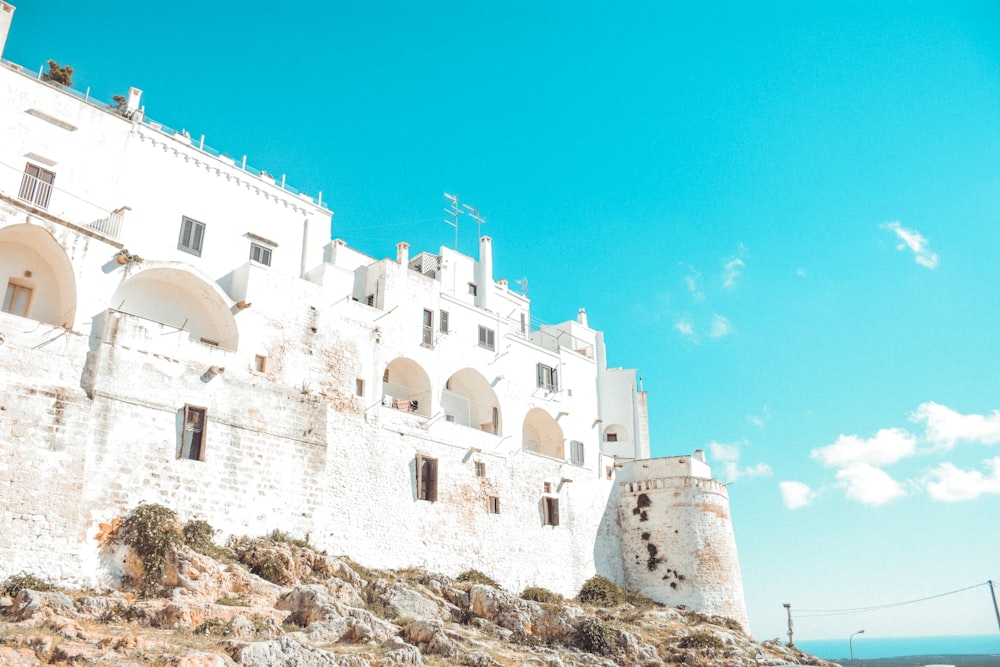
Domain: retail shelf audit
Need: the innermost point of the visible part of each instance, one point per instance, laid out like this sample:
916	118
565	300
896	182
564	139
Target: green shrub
702	640
15	583
281	536
596	637
199	536
227	601
61	75
640	601
260	559
153	533
601	592
476	577
539	594
122	612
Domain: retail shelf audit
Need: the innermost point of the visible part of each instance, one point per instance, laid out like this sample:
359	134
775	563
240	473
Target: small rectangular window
607	471
260	363
36	185
480	469
192	236
426	478
576	452
487	338
17	299
193	435
611	437
551	508
473	290
547	487
359	387
493	504
547	377
443	321
260	254
428	334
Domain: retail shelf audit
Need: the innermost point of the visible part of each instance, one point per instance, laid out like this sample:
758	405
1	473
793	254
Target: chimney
581	317
402	253
503	284
6	16
132	105
485	273
699	454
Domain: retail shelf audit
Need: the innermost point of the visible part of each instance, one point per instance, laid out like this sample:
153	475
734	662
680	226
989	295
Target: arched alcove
469	400
541	434
616	433
178	297
406	386
36	276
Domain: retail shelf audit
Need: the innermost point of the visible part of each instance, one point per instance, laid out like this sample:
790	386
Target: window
370	300
17	300
473	290
487	338
548	377
426	478
611	437
493	504
607	471
260	363
193	436
36	185
428	337
192	236
480	469
260	254
547	487
359	387
443	321
576	452
550	506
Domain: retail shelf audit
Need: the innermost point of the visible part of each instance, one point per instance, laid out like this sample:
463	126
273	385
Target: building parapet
657	483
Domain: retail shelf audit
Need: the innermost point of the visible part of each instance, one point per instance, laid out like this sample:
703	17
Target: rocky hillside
199	609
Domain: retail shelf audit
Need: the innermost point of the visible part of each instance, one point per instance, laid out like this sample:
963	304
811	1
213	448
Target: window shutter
443	321
420	477
540	373
555	511
555	379
432	470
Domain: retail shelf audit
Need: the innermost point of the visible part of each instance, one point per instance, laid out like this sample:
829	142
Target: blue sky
784	214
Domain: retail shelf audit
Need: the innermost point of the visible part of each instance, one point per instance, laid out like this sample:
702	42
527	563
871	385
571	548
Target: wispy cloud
796	494
885	447
914	240
952	484
760	421
693	282
686	329
869	485
727	462
945	427
720	327
732	268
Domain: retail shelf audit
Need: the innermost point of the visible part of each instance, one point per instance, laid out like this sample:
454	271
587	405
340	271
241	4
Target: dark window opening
260	254
487	338
426	478
193	435
547	377
551	507
192	236
480	469
493	504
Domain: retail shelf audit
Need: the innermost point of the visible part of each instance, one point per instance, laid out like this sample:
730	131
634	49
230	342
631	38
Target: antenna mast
480	221
453	211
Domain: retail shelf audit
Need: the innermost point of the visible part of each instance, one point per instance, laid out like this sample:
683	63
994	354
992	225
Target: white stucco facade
180	329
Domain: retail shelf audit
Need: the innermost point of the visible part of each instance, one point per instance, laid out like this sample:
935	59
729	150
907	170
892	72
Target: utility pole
788	608
993	592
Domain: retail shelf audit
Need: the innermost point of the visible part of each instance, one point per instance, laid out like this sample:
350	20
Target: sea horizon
866	647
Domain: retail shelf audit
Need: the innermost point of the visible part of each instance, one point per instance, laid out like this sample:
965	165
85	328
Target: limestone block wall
678	546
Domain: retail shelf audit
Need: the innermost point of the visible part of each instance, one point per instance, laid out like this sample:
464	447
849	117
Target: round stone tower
677	537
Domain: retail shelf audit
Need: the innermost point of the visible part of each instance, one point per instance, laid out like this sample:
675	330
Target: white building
179	328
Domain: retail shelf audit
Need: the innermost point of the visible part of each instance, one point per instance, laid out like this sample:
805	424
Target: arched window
541	434
405	386
36	277
469	400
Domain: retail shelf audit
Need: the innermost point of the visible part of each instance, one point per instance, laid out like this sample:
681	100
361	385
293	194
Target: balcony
35	187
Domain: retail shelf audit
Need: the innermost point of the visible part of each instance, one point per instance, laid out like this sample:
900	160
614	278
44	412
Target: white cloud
953	484
869	485
728	467
801	273
692	280
912	239
731	270
796	494
945	427
760	421
720	327
685	328
887	446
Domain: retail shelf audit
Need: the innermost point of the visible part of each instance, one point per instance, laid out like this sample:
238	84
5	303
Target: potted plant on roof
59	75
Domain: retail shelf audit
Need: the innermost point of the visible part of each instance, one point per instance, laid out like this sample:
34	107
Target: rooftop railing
183	135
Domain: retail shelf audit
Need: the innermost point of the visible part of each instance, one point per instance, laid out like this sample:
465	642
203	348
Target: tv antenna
453	211
480	221
523	282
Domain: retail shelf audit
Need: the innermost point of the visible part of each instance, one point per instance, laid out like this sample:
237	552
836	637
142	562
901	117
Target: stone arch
541	434
469	400
177	296
406	386
36	276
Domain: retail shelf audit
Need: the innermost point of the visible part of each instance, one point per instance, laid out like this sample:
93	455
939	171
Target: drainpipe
485	294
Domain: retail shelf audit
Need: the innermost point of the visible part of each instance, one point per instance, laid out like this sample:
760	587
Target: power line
815	613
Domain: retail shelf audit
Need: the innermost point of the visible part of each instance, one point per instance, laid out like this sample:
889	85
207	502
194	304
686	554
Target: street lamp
850	642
